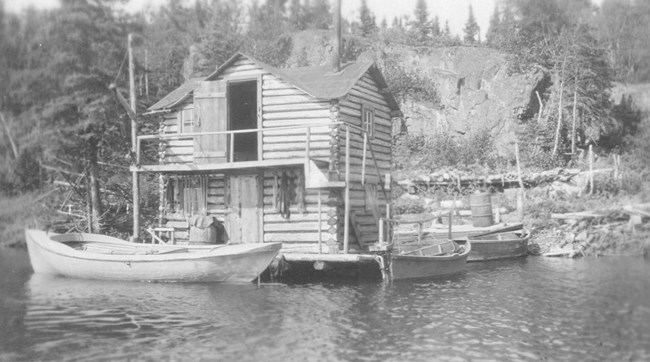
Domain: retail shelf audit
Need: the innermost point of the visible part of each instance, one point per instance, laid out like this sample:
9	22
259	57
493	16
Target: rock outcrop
476	93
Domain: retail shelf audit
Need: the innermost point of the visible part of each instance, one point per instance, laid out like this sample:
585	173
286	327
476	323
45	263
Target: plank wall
216	206
365	92
176	150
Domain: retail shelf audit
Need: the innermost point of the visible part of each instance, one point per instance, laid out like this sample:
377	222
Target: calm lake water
529	309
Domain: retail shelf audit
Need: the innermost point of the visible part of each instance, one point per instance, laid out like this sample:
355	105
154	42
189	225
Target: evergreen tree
367	20
447	31
297	15
318	15
421	24
471	28
494	27
384	24
435	26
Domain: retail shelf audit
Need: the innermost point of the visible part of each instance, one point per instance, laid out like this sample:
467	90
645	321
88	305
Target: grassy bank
29	210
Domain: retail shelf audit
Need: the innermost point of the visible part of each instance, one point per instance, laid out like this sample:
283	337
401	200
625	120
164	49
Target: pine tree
421	23
435	26
471	27
447	31
494	28
367	18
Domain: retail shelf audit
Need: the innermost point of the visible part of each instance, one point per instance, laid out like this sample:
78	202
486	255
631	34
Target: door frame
248	78
259	180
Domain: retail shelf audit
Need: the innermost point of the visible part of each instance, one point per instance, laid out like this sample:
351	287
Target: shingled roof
317	81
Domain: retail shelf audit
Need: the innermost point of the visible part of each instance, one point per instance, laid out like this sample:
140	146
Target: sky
454	11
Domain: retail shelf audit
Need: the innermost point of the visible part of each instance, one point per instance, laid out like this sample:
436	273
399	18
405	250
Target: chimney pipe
336	53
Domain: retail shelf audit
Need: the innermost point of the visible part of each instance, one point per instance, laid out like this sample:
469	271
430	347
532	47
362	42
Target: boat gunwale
61	249
454	256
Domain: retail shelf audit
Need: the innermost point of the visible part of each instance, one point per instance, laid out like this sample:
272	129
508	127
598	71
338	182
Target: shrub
441	150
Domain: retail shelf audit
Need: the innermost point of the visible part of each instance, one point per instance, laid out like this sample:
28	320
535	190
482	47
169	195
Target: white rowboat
93	256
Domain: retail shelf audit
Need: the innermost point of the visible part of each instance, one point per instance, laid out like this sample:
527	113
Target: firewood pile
460	180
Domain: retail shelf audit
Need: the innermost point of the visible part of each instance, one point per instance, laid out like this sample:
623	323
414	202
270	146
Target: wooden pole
134	137
573	126
14	149
451	215
591	169
363	161
346	222
146	73
336	52
520	194
307	150
320	227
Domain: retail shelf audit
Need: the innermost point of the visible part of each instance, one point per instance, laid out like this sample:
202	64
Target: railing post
307	166
320	227
346	222
363	162
231	156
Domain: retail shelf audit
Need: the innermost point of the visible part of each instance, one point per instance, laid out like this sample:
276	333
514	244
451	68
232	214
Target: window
186	120
368	120
188	195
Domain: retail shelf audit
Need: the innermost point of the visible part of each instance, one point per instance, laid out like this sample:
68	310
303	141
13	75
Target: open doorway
242	106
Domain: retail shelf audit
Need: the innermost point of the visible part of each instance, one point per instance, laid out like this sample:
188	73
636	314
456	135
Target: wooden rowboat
93	256
503	245
418	261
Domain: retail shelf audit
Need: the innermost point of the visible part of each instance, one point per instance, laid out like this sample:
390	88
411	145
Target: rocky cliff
476	93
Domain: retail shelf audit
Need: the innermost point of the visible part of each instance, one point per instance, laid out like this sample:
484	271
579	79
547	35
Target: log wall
285	105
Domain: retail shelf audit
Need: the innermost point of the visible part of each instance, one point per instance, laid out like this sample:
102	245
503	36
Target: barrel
203	230
481	206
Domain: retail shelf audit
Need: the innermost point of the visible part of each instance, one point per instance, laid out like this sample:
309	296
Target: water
528	309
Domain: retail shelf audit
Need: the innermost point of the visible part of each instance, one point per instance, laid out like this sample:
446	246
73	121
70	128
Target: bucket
481	206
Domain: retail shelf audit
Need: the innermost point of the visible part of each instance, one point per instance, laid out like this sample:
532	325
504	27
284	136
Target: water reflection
525	309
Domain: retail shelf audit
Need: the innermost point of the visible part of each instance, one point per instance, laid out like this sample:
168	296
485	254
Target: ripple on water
526	309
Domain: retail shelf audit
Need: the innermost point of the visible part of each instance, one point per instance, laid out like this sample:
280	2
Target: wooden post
388	224
320	227
232	147
591	169
336	52
346	222
134	137
520	194
14	149
363	161
451	215
146	73
573	126
307	165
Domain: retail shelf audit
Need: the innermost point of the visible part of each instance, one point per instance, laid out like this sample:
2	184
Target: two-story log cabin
300	155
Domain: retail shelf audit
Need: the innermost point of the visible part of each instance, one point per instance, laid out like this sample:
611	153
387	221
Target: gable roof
317	81
176	96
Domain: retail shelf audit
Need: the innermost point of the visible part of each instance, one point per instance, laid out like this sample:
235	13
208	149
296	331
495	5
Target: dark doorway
242	104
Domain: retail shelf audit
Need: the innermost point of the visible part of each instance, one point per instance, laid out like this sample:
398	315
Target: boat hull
500	246
228	263
428	266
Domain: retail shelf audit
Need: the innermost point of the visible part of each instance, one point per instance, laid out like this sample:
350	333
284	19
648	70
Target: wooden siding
365	94
176	150
299	227
284	105
216	207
